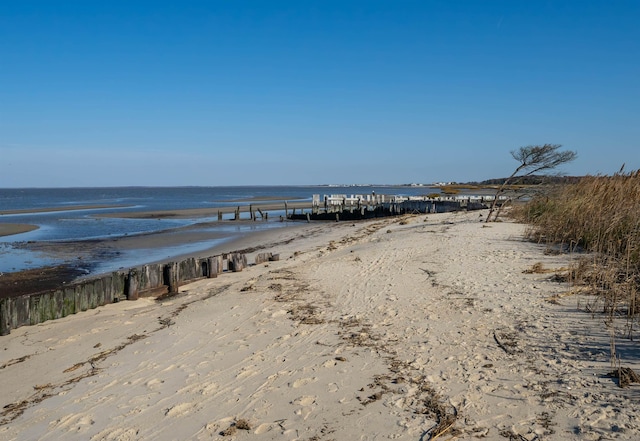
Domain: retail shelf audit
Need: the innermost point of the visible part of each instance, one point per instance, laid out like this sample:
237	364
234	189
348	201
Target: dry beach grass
416	328
597	220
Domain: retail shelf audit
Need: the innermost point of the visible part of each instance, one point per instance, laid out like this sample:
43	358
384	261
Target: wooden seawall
154	279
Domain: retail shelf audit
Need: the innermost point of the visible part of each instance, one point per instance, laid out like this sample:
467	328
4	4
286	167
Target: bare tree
533	159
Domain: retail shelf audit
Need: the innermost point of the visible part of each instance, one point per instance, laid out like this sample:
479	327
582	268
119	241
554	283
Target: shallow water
85	225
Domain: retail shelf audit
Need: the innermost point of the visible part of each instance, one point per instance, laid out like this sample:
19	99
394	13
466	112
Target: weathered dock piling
237	262
171	274
214	266
132	284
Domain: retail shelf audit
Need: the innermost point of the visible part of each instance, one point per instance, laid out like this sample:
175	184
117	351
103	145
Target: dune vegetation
597	219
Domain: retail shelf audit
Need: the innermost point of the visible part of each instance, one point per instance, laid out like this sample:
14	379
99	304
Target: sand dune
388	329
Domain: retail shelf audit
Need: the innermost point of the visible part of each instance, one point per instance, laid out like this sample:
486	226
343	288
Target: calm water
79	225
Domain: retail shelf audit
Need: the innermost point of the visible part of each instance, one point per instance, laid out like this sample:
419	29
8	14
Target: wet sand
83	255
54	209
10	229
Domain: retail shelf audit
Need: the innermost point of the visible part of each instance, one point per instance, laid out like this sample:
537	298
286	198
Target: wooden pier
346	207
354	207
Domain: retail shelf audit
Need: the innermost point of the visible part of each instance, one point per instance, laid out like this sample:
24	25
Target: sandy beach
413	328
7	229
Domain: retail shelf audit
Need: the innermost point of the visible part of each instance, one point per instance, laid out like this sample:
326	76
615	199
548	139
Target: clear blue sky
96	93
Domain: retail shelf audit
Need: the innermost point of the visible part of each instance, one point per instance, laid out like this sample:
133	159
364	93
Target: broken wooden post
286	214
172	277
236	262
263	257
215	266
237	214
212	267
219	215
132	284
5	317
220	260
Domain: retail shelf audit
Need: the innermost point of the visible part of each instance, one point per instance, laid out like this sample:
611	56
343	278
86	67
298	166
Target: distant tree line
532	180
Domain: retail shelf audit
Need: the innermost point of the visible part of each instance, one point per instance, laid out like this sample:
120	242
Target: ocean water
84	225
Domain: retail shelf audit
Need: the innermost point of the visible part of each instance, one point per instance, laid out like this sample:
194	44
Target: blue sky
96	93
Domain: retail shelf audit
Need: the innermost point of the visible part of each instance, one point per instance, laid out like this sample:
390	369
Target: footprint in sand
263	428
74	422
153	383
330	363
246	372
303	382
306	400
209	389
180	409
116	435
304	412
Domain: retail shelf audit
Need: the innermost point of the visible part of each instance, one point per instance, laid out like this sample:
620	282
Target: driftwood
507	341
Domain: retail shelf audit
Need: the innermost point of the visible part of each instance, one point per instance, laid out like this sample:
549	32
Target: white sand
373	331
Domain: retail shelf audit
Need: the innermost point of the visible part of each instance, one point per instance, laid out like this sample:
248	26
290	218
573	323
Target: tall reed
599	215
